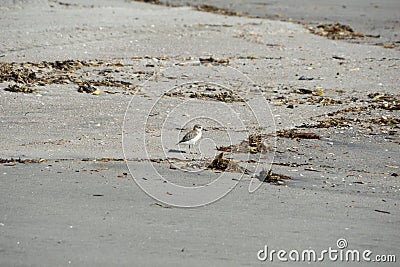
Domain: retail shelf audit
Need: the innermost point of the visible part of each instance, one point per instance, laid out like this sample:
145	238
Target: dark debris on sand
214	61
255	143
205	91
23	77
20	88
221	164
19	160
273	178
338	31
293	134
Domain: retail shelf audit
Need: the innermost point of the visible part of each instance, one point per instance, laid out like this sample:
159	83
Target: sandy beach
95	96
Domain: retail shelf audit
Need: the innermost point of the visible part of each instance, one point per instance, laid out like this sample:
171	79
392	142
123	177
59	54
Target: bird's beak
204	129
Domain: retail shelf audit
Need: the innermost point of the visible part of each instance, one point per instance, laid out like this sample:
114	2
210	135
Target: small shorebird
192	137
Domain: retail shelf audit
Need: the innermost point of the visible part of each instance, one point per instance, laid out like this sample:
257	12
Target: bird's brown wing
188	136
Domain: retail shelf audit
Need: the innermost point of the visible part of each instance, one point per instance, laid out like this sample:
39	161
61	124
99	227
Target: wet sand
379	18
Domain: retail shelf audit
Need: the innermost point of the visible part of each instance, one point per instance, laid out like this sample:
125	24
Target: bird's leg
191	152
194	152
